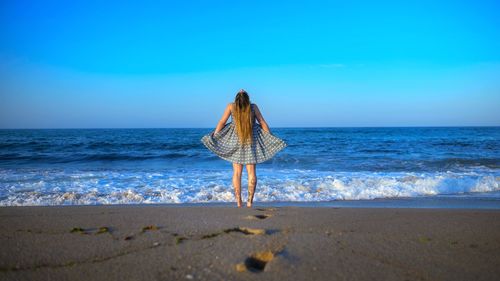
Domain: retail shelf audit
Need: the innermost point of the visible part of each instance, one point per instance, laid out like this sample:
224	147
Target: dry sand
158	242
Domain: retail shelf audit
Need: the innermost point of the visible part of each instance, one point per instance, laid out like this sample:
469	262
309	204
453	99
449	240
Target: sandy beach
165	242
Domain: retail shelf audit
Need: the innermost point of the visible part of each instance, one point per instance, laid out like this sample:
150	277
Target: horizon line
282	127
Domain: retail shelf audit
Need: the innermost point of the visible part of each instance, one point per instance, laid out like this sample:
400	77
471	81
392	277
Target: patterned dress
226	144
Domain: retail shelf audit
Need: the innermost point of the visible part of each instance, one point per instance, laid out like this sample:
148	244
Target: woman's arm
223	119
261	120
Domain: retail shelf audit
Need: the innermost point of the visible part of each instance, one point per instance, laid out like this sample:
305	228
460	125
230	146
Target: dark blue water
107	166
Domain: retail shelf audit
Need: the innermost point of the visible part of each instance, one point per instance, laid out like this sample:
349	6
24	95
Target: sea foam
61	187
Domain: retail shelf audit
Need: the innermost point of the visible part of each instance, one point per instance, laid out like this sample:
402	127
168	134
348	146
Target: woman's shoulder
230	107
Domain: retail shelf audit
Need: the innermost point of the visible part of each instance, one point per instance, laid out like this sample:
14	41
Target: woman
243	142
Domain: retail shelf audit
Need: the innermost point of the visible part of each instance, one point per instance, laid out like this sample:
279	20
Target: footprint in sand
266	209
247	230
256	262
149	228
243	230
260	217
144	230
100	230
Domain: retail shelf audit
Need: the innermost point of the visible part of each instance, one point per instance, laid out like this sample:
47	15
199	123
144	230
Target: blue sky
88	64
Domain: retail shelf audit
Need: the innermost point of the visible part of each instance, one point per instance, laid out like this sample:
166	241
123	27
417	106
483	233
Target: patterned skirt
226	145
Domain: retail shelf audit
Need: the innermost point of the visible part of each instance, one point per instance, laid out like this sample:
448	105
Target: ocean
142	166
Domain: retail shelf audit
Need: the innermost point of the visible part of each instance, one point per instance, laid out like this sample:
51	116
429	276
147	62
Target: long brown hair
243	117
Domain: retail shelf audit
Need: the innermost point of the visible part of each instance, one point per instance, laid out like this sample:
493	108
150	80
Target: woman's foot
239	203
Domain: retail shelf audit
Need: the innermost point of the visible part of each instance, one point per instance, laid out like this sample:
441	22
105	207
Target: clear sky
90	64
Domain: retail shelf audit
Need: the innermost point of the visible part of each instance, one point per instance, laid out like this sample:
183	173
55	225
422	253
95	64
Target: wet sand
159	242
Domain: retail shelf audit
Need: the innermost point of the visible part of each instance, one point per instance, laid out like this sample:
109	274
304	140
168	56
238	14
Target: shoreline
468	201
160	242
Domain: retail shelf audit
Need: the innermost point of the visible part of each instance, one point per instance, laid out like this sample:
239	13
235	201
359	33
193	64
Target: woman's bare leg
237	170
252	183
